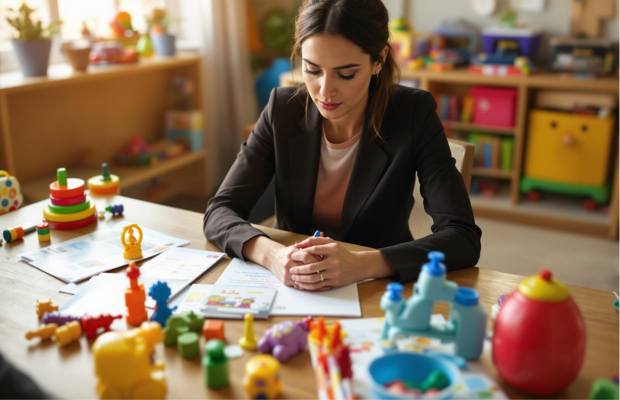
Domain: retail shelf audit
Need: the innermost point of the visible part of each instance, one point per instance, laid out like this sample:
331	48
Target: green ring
43	231
69	209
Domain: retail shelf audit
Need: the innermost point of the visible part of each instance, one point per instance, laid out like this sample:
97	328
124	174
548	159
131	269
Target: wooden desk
68	372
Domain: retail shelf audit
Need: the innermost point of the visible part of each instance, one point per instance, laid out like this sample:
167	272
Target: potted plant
32	43
163	42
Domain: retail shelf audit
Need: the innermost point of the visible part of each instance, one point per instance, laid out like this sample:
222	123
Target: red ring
64	226
70	201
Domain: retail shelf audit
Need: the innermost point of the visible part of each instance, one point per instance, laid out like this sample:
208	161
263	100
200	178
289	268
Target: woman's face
337	74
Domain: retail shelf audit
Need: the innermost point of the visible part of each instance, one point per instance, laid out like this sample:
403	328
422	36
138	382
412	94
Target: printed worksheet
100	251
342	302
236	301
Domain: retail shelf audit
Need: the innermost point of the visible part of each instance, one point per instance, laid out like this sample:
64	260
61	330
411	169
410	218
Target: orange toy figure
45	305
135	297
68	333
336	341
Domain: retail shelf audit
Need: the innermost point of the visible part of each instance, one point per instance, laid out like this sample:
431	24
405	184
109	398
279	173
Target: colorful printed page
100	251
193	298
236	301
362	336
341	302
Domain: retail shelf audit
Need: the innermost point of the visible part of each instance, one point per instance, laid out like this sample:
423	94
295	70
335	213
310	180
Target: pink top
335	168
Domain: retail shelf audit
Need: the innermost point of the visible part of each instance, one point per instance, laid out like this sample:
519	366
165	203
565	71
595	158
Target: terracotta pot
77	55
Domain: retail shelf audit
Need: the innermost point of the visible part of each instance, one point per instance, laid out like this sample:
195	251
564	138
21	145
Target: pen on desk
316	235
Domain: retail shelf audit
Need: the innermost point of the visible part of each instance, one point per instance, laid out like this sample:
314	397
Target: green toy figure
215	364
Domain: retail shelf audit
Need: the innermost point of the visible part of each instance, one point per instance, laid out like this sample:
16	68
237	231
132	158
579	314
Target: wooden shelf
38	189
62	74
491	173
464	126
552	211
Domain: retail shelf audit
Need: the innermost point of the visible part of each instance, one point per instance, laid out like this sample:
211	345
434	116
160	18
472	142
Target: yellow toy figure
44	332
68	333
248	341
135	297
262	377
132	250
123	364
45	305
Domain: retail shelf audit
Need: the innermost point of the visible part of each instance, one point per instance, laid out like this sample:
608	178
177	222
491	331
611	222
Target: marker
18	232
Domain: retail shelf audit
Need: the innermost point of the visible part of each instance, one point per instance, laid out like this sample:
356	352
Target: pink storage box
494	106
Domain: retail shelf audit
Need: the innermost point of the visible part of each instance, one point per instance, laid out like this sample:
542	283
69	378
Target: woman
345	149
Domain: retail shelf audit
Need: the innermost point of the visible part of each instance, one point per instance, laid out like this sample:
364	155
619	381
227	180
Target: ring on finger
321	275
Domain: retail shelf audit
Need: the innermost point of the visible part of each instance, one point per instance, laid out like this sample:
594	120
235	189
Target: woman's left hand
339	266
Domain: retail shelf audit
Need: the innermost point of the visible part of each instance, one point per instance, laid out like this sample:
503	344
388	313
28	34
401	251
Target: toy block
179	324
45	305
213	329
68	333
188	345
58	318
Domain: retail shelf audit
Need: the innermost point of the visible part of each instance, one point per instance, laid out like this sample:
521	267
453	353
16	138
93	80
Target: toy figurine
124	366
132	250
68	333
45	305
44	332
467	322
262	377
215	364
92	325
135	297
248	341
539	329
160	292
285	339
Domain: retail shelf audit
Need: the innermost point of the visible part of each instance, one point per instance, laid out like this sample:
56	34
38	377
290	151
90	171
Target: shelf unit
513	207
78	120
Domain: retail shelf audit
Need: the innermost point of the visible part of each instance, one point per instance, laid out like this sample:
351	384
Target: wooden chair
419	221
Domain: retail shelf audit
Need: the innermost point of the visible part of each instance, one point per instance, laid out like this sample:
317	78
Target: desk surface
68	372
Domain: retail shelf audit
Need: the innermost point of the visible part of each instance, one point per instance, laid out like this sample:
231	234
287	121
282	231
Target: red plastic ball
538	347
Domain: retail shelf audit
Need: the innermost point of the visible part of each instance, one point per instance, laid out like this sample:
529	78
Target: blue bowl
411	367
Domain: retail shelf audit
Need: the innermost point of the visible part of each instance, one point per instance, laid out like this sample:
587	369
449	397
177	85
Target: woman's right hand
278	260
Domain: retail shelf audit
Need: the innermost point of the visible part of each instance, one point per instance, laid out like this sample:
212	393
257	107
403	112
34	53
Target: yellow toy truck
124	366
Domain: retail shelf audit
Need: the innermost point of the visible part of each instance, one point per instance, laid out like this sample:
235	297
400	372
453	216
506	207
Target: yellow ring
97	183
321	275
51	216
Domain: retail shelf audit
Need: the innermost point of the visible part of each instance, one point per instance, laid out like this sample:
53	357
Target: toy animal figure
285	339
92	325
160	292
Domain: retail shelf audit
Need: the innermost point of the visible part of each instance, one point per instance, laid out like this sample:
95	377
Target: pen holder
410	367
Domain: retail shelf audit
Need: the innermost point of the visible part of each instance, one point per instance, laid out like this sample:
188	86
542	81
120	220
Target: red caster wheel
533	196
589	205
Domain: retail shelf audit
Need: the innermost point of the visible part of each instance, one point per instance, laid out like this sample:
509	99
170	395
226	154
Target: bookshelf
555	212
78	120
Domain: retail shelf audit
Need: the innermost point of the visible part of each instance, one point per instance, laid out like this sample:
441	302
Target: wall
426	15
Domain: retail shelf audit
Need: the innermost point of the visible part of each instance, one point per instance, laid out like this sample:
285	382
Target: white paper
234	302
100	251
342	302
193	298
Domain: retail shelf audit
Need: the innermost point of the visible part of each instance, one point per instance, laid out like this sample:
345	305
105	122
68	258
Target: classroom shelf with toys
118	115
505	144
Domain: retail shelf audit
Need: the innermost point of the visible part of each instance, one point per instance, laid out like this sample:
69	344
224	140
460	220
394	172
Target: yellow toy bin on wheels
569	154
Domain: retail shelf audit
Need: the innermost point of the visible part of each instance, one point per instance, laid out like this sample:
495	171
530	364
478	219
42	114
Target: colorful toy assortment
105	184
11	197
248	341
186	128
17	232
466	324
539	341
135	297
132	249
262	377
160	292
285	339
215	364
124	366
69	208
143	152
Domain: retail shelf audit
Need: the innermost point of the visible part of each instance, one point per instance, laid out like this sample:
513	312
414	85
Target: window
97	15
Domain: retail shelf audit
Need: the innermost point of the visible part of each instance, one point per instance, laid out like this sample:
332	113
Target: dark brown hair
363	22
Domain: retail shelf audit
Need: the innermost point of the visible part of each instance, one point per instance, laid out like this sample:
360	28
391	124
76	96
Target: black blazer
379	197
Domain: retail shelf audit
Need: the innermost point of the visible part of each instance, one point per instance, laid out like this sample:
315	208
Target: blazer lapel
367	170
305	153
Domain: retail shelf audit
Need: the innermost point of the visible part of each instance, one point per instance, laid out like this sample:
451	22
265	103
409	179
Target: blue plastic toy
160	292
467	322
115	209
